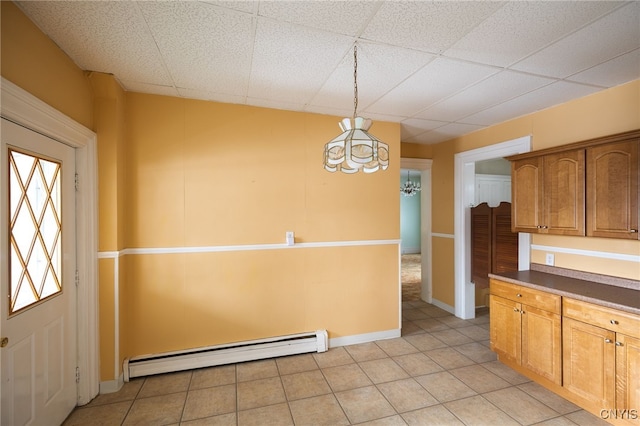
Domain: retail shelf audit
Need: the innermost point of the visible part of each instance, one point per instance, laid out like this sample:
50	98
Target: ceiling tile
380	68
342	17
436	81
204	47
617	71
443	133
154	89
607	38
521	28
293	71
102	36
545	97
491	91
415	126
429	26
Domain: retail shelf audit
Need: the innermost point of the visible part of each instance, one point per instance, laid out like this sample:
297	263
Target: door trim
25	109
464	182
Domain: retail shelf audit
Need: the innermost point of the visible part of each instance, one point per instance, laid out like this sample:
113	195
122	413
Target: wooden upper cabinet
563	193
526	195
612	190
548	194
584	188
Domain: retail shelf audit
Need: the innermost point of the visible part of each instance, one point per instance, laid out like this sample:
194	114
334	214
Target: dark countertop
621	298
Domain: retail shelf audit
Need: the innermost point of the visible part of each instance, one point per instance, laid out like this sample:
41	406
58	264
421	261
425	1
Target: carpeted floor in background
411	277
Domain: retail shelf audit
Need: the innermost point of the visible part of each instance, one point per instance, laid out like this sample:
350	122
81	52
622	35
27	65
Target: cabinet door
505	332
526	195
627	372
542	343
563	192
588	357
612	190
504	242
480	245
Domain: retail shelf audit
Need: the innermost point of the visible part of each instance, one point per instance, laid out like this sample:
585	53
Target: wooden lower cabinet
525	334
587	353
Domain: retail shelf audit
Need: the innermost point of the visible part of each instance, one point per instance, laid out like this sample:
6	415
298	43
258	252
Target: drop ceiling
441	69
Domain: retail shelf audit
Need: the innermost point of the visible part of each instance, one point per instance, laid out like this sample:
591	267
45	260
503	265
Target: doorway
464	199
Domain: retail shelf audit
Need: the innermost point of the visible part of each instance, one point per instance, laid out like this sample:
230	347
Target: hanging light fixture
410	188
355	148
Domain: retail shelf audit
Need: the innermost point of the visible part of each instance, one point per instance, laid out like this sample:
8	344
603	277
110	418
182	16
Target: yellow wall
607	112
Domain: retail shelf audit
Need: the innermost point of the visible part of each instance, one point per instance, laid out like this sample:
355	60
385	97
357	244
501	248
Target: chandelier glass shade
355	148
410	188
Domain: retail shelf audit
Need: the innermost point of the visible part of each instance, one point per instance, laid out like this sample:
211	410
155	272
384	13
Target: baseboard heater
226	354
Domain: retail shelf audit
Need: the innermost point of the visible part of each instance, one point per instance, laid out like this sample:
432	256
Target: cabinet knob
607	340
619	344
614	322
633	231
518	295
516	310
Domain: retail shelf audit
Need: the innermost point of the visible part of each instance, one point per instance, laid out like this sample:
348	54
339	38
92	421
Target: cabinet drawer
527	296
601	316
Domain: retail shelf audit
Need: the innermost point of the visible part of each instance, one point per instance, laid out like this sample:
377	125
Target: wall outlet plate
550	259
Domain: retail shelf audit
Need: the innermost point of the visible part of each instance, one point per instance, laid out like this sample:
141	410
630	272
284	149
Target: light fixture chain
355	80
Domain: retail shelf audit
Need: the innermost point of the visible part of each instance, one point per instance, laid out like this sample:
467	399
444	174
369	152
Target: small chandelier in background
410	188
355	148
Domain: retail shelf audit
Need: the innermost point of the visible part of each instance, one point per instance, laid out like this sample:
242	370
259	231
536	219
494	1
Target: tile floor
440	372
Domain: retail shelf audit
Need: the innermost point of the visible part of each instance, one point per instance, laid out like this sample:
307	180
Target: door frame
424	166
26	110
464	181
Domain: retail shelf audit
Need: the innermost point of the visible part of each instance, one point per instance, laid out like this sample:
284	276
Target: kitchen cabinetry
585	188
612	180
548	193
601	355
525	328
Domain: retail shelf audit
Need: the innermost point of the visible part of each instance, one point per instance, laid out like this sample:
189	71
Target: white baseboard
112	386
444	306
364	338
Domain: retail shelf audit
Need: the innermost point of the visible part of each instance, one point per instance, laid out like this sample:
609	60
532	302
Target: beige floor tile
417	364
296	364
210	402
214	376
506	373
108	414
453	321
385	421
520	405
474	332
479	378
406	395
478	411
159	410
425	342
553	401
396	347
259	393
221	420
318	411
435	415
365	352
558	421
410	328
272	415
431	324
449	358
584	418
414	314
345	377
451	337
445	387
333	357
383	370
477	351
255	370
305	385
128	392
364	404
163	384
435	312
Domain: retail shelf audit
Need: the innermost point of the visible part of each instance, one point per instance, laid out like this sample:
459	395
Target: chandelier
355	148
410	188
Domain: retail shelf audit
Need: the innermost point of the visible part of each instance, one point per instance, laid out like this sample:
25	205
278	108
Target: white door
38	263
